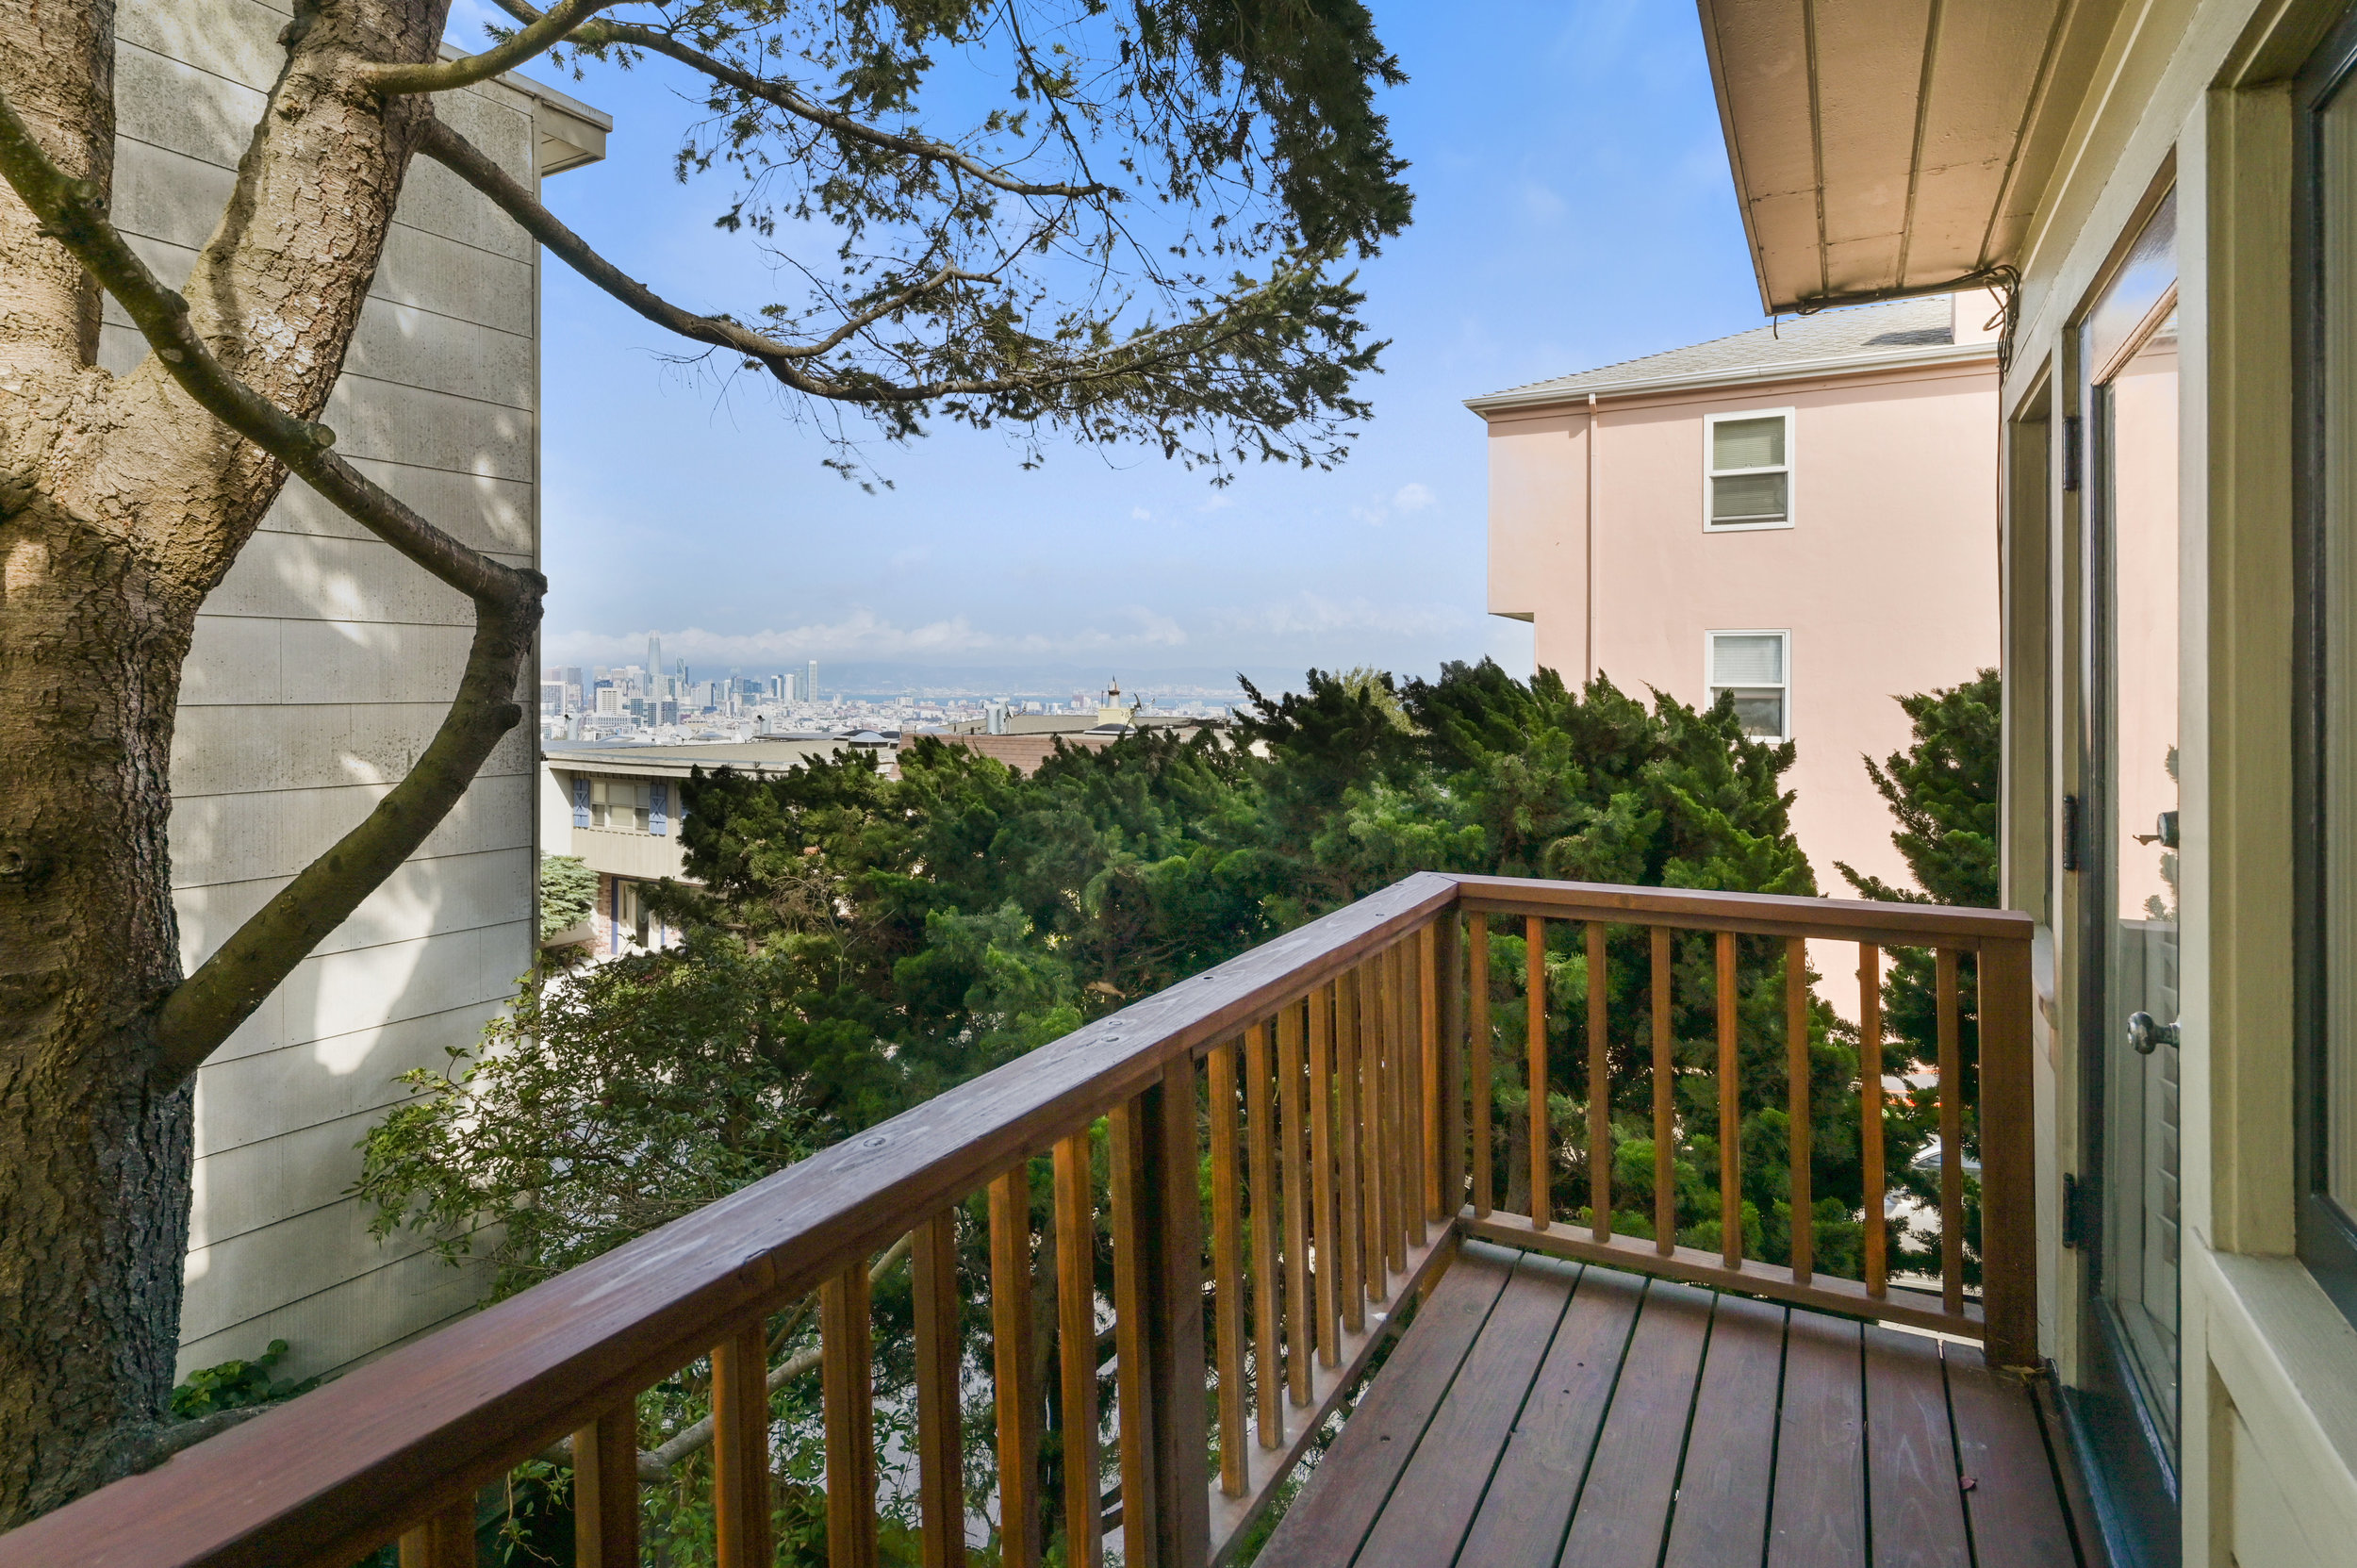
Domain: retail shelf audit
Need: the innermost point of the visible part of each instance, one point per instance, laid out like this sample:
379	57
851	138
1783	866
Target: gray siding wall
321	666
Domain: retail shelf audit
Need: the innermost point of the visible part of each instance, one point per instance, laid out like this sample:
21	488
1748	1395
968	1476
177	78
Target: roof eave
1806	370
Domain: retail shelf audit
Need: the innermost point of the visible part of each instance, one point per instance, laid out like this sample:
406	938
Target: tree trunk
123	503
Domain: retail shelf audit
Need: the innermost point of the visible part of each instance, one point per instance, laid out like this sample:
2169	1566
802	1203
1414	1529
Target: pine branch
206	1006
777	95
452	151
1133	359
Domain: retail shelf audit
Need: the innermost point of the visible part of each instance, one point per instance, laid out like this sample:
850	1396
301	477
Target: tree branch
463	158
204	1008
543	33
777	95
1133	358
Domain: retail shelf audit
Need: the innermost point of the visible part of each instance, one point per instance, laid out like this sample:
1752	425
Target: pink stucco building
1805	514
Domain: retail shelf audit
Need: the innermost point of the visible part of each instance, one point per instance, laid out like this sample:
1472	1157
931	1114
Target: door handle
2147	1033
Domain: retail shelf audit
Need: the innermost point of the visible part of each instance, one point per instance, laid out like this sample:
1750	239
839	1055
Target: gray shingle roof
1902	329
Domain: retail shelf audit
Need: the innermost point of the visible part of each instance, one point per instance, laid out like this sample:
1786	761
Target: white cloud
863	633
1141	514
1307	614
1412	498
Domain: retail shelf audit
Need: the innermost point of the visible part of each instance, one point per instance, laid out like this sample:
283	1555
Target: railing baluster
1235	1464
1323	1219
1730	1115
940	1435
1076	1326
1428	1089
846	1355
1395	1123
1165	1487
1368	985
1870	985
1665	1197
1134	1391
740	1447
1350	1225
1416	1178
1478	988
1400	1129
1448	978
1534	1052
1268	1378
1010	1362
446	1540
1599	1087
1290	1132
1797	1096
1951	1136
605	1490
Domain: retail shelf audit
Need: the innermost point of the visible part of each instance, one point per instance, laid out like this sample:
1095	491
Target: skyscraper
810	695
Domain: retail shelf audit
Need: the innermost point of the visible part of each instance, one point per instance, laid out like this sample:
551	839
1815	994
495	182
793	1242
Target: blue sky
1573	208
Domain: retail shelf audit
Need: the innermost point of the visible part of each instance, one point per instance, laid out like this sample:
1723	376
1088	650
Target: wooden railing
2006	1313
1325	1078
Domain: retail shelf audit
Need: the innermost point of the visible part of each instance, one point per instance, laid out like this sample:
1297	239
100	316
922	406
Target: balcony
1543	1389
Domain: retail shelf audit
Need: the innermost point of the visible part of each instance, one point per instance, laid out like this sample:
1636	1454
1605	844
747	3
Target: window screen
1750	474
624	803
1751	666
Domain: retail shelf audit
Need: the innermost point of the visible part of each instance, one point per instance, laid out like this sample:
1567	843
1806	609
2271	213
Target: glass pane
1748	497
1747	661
1760	713
2338	198
2139	410
1748	443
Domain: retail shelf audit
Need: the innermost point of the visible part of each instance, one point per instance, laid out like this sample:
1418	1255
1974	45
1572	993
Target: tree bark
123	503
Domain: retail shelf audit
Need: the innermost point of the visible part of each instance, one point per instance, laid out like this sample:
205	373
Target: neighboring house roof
1866	338
1024	753
673	762
1077	724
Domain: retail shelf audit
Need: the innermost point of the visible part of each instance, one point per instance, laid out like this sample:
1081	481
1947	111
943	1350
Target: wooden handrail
1369	1012
1889	925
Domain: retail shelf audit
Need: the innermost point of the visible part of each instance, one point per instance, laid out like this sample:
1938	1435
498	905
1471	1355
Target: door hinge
2071	452
2070	832
2078	1214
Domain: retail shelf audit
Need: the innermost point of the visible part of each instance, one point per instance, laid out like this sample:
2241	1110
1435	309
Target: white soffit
1886	146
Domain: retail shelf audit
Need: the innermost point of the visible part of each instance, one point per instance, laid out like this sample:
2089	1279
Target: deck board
1444	1480
1538	1412
1528	1506
1339	1503
1818	1514
1722	1512
1625	1508
1913	1504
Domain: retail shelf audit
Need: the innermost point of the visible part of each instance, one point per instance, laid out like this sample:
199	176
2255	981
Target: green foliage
1943	789
568	891
609	1101
856	942
236	1385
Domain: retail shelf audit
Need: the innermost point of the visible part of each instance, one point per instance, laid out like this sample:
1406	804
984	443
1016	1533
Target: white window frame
1712	686
1790	467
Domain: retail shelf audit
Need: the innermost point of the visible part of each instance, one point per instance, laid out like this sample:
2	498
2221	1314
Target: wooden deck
1541	1412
